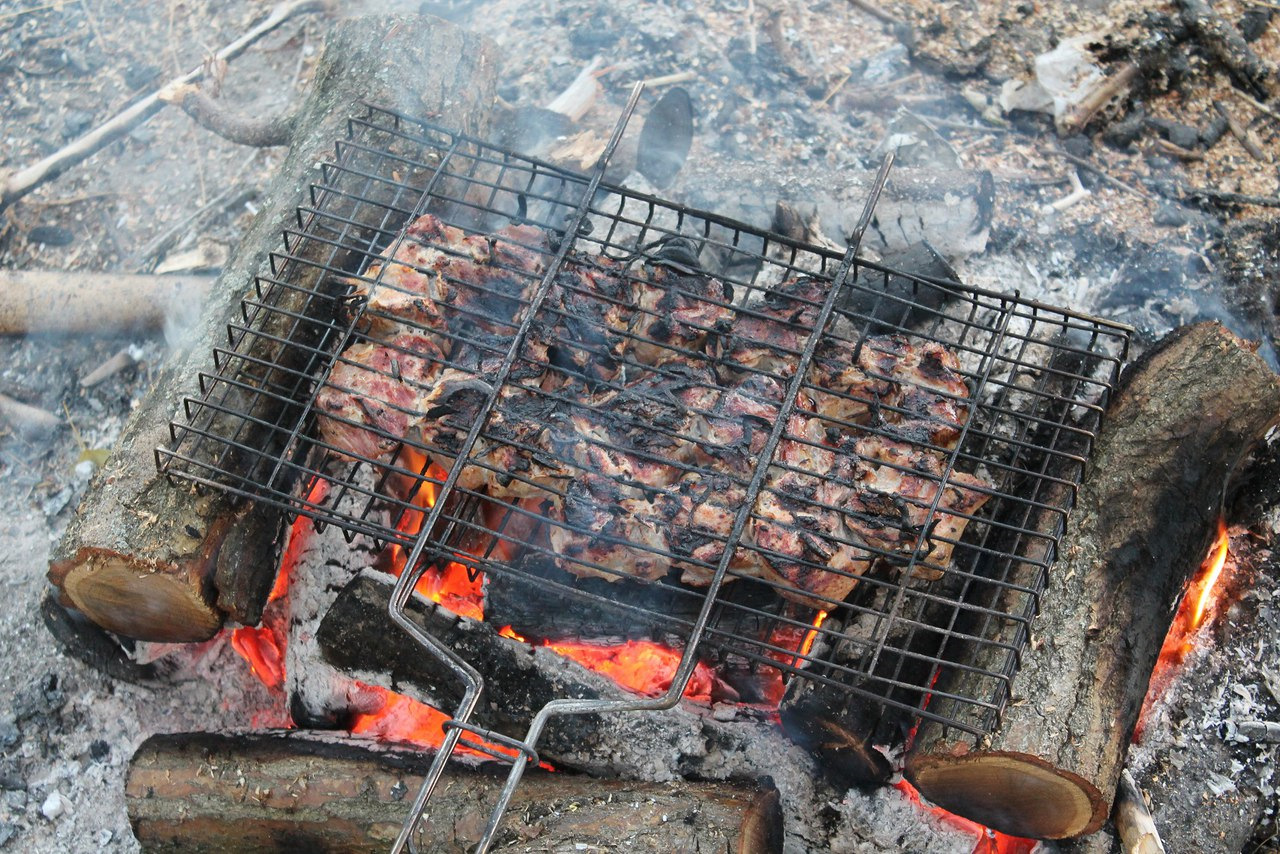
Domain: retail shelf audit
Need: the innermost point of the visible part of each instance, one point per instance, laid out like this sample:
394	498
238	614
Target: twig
1254	102
1243	135
20	12
834	88
669	79
228	197
1078	194
1164	146
1263	4
1097	170
1229	197
751	27
213	115
117	363
1227	44
19	183
876	12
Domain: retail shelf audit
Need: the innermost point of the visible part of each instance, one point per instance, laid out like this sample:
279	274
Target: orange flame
263	646
1200	602
986	840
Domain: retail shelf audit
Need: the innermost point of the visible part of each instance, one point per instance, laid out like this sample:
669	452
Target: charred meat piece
735	422
587	312
606	531
443	279
893	486
769	336
370	401
674	314
929	403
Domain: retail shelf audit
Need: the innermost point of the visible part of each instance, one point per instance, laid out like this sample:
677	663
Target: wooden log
1146	514
154	560
200	792
86	302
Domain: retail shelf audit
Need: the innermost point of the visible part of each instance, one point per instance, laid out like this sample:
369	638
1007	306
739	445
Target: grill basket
994	473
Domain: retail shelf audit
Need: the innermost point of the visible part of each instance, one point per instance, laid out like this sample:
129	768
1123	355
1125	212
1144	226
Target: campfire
584	499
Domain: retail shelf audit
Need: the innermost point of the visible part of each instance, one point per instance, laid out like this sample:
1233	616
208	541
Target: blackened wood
199	792
154	560
1146	514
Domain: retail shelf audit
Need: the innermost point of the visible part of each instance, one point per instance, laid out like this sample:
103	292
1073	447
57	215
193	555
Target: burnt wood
201	792
1183	417
156	560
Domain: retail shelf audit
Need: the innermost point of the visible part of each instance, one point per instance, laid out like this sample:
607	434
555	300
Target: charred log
154	560
1146	513
196	792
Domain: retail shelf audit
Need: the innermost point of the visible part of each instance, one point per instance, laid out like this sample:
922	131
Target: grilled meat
453	283
371	400
635	413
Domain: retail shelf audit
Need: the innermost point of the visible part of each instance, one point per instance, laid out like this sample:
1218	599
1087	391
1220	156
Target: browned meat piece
841	387
370	401
769	336
929	403
604	530
674	314
705	507
737	422
443	279
893	486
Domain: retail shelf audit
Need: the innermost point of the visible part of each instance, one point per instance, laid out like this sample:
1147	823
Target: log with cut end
1147	511
156	560
200	792
81	301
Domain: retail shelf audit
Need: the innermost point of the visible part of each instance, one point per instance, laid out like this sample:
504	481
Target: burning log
203	792
1146	513
149	559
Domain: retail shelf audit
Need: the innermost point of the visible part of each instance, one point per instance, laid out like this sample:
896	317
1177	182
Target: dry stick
876	12
1229	197
1082	113
1097	170
1254	102
19	183
216	117
1243	135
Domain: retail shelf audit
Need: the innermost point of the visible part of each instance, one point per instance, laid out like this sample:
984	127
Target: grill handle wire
473	682
690	658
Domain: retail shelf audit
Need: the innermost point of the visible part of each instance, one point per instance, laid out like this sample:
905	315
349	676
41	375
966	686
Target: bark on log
81	301
154	560
196	792
1146	514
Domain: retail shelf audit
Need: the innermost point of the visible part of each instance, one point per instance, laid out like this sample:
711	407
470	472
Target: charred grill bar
927	441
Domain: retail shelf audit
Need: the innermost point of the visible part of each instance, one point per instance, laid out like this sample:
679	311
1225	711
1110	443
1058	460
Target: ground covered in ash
1160	210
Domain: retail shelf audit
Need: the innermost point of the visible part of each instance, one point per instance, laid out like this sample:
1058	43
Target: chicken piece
369	403
443	279
674	314
929	404
734	430
605	530
893	485
841	388
704	508
769	336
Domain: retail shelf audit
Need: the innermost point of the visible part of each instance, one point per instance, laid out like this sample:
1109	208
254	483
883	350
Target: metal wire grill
915	495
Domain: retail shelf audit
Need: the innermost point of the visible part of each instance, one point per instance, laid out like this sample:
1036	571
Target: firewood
30	422
87	302
156	560
1132	817
197	792
1145	516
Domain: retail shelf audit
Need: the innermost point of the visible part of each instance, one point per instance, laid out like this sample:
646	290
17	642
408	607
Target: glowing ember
1209	580
986	840
395	717
258	646
641	666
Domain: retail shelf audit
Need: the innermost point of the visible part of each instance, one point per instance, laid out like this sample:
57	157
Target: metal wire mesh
915	499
